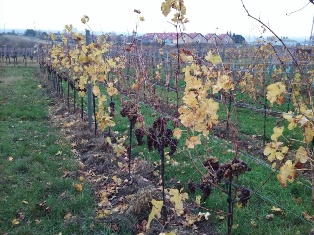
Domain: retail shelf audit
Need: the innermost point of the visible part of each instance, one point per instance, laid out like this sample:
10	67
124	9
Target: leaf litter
125	203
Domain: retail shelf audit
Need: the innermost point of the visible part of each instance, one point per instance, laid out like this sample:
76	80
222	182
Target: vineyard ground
69	210
179	171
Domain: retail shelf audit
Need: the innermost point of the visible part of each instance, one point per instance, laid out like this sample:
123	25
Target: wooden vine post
89	90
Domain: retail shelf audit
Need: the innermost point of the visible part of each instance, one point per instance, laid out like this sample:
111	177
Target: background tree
238	38
30	33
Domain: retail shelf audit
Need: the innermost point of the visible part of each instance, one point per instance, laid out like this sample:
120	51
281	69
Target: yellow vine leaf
198	199
68	28
177	198
119	149
170	233
111	89
308	132
53	37
166	7
104	120
301	155
274	150
192	142
287	173
156	212
112	63
293	121
277	133
96	90
177	132
190	99
186	58
274	93
102	99
142	18
224	82
81	93
192	82
214	59
84	19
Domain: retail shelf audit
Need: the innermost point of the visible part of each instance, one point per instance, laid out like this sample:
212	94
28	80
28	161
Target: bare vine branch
311	1
267	27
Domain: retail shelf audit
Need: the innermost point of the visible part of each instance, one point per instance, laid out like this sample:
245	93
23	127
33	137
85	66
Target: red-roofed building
212	38
168	38
225	39
149	37
183	38
197	38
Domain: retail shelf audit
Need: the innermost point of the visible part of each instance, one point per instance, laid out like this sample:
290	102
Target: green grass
30	171
265	193
266	190
263	197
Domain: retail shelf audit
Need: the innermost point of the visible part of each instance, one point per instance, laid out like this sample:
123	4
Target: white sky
206	16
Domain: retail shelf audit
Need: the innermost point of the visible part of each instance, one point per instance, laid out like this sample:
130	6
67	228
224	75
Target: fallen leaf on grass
102	213
67	216
15	222
37	221
234	226
65	174
298	200
277	210
78	187
269	216
307	216
198	199
253	223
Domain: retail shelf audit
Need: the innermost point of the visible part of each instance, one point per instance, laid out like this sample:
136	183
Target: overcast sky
206	16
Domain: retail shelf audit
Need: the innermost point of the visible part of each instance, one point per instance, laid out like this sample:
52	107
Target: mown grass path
35	198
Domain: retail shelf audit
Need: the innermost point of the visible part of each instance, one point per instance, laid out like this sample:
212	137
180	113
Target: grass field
14	41
35	197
